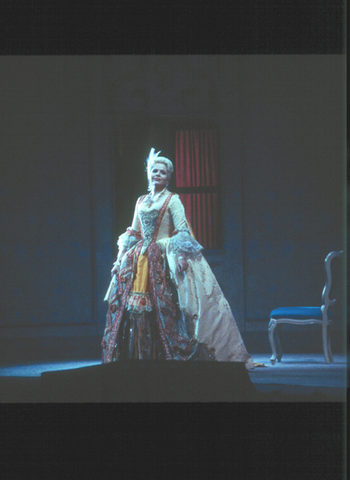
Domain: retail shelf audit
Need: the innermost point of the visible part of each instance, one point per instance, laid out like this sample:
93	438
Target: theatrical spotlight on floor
151	381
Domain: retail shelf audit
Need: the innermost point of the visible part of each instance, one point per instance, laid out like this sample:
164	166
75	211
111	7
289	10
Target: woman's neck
157	190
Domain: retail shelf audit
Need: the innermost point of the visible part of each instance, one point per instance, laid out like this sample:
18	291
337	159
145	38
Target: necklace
150	200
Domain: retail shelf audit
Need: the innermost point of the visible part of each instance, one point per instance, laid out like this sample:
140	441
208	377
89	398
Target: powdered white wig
154	158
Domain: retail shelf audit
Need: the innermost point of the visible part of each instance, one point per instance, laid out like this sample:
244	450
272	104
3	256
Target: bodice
148	220
145	222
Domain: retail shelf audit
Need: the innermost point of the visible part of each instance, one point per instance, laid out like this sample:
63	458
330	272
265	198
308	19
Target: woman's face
159	176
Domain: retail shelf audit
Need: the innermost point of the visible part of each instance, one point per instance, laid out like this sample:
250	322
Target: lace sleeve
182	243
128	239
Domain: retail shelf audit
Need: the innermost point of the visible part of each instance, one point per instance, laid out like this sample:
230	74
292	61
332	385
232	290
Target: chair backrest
326	301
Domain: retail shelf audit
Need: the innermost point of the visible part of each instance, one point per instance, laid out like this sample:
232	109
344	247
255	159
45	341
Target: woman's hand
115	269
182	264
116	264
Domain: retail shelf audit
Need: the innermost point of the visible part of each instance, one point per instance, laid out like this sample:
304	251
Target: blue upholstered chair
305	316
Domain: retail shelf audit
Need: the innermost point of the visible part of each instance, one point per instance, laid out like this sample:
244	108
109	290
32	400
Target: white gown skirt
201	296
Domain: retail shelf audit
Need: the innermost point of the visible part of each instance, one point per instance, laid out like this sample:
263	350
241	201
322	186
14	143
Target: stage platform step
151	381
297	379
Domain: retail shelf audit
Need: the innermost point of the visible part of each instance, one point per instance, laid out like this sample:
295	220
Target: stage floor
302	374
294	375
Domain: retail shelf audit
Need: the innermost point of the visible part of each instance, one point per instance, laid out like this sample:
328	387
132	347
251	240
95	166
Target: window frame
203	124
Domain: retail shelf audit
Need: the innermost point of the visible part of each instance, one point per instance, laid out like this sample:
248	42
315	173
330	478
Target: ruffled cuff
128	239
184	244
139	302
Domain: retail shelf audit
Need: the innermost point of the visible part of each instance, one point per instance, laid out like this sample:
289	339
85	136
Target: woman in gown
164	300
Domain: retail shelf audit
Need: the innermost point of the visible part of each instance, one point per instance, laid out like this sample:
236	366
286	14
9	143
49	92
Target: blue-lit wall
282	130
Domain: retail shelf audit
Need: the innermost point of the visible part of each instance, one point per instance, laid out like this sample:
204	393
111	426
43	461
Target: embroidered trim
131	266
130	231
156	272
154	257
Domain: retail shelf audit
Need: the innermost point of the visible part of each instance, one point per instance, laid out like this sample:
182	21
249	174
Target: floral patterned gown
156	312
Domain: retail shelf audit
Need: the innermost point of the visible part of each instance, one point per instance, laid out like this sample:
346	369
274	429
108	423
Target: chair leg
325	342
329	345
272	326
279	342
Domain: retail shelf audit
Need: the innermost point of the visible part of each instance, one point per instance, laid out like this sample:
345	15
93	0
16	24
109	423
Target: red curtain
196	167
196	158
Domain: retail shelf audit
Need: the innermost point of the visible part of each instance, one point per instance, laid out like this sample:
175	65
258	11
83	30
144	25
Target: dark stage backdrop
75	132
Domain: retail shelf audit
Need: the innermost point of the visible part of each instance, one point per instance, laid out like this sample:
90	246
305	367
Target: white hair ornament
152	158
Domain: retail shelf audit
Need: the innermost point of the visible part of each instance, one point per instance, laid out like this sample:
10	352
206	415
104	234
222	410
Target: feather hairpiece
152	156
151	159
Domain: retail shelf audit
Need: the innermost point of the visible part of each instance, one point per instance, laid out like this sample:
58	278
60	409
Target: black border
40	27
238	440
